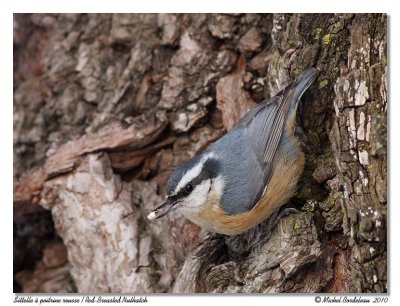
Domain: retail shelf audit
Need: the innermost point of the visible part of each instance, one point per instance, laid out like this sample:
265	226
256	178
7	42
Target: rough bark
106	105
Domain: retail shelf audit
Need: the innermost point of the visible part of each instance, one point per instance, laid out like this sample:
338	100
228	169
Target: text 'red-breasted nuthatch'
243	177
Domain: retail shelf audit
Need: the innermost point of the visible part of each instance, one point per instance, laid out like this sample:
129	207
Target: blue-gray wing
253	141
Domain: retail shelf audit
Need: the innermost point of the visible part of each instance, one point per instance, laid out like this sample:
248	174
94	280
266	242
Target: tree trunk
106	105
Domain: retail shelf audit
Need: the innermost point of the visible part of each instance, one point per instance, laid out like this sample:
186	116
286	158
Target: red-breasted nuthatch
243	177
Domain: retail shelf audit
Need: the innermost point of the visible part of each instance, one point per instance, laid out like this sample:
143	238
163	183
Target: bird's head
191	185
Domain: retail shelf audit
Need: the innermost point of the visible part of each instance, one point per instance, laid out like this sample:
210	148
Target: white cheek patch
199	195
192	173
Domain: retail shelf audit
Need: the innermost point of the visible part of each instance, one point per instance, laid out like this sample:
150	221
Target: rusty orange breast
280	189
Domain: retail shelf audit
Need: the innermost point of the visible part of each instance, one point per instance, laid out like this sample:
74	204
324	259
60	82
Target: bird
245	176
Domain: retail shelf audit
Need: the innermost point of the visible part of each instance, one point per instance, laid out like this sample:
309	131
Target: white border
305	6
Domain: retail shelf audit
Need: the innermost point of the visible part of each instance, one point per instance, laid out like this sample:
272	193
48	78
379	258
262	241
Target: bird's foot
276	216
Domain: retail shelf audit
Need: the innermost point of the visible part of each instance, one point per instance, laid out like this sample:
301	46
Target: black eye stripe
173	198
185	191
210	170
189	187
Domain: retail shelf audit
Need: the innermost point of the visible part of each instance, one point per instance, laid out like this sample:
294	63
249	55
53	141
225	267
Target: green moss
380	125
377	65
297	225
384	59
326	39
317	33
323	84
297	72
363	146
334	199
309	206
329	203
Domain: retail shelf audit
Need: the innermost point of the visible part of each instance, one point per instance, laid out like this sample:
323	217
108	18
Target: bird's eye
189	188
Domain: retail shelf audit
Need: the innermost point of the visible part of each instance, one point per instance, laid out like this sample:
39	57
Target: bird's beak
163	209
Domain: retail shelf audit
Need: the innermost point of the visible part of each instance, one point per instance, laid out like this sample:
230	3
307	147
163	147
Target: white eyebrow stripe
192	173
